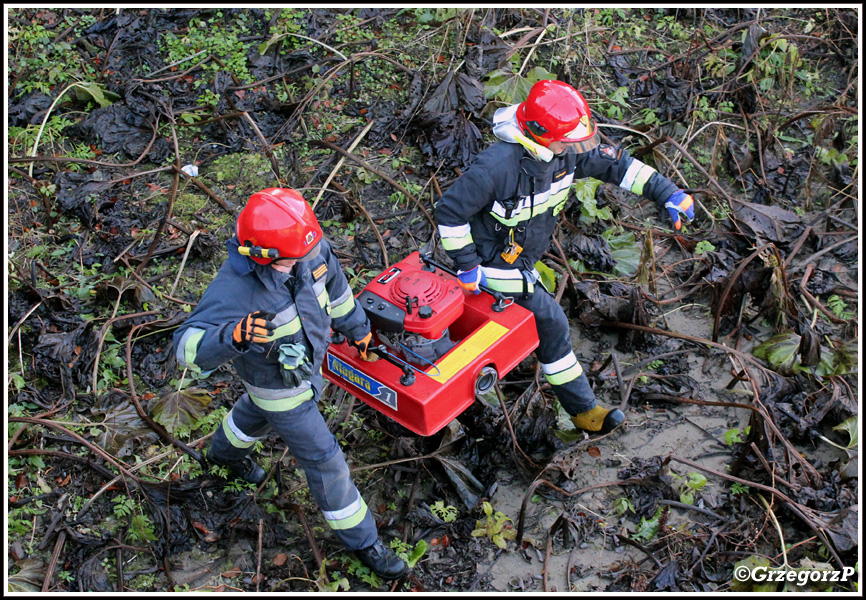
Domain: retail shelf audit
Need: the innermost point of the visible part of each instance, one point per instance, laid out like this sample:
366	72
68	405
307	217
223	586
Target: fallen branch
168	211
267	147
340	162
516	445
380	173
697	340
815	302
93	448
797	508
369	218
530	492
159	429
639	546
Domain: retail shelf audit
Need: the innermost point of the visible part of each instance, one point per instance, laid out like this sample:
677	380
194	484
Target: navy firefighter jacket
506	192
308	302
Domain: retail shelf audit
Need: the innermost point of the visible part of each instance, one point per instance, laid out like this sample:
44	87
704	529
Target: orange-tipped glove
363	347
255	328
680	204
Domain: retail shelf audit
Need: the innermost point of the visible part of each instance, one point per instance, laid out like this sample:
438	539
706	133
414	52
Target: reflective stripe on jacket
506	192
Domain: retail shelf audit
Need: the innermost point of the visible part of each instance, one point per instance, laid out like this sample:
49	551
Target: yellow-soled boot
598	419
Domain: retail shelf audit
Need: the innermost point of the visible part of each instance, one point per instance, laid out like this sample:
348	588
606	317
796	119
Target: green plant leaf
275	39
732	436
751	563
95	92
180	409
781	351
625	252
648	528
840	361
622	505
703	247
851	426
507	86
696	481
584	189
417	552
548	276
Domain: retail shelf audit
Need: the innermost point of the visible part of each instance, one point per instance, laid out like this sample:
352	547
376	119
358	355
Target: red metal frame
439	394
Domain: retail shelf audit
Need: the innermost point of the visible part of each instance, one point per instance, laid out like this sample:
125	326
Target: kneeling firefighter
269	311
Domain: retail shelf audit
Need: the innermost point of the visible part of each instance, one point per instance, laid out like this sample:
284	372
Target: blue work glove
680	204
472	279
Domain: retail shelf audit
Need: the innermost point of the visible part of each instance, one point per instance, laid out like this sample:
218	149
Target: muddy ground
731	345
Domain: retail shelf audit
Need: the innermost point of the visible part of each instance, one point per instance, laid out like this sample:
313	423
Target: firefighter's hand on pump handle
680	204
363	346
472	280
256	327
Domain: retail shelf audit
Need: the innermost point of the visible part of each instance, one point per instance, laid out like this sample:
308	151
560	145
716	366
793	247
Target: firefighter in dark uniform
269	311
498	218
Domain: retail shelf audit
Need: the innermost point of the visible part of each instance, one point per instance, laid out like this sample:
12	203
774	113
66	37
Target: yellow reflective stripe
353	520
234	435
456	237
457	243
190	350
564	377
324	301
284	404
508	281
343	306
508	286
280	399
563	370
641	179
636	177
558	208
527	212
290	328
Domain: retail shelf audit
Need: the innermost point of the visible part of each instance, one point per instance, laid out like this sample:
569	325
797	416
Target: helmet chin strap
505	128
536	150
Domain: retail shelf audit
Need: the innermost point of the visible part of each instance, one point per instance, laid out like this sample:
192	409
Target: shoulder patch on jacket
320	271
610	152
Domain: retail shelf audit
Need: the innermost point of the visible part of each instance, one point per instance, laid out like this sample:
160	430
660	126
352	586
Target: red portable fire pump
439	344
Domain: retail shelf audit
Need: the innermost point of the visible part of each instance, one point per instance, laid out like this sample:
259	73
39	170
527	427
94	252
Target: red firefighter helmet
556	112
278	223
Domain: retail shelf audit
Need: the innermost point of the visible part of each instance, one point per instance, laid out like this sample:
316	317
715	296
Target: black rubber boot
243	468
382	561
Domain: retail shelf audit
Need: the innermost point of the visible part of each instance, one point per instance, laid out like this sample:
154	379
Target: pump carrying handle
408	377
502	301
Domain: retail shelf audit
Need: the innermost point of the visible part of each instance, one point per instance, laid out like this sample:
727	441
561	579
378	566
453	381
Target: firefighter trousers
561	368
306	434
